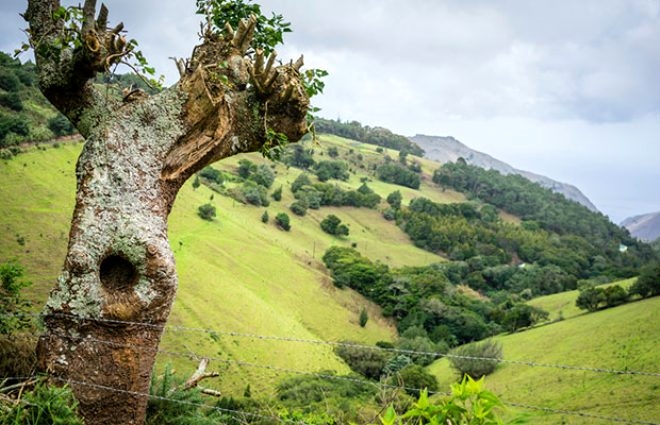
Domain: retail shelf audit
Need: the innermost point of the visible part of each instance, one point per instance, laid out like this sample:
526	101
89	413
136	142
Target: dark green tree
207	212
394	199
283	221
648	282
590	298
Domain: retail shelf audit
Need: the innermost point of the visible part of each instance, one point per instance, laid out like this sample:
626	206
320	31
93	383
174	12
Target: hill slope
236	274
622	338
645	227
448	149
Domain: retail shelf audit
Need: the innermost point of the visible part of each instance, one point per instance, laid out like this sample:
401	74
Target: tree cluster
398	174
425	300
590	233
372	135
315	195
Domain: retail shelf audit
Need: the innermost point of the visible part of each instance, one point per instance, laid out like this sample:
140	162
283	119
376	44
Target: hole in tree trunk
117	273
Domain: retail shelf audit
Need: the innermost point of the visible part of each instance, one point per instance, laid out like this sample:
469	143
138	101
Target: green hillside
236	274
253	298
624	338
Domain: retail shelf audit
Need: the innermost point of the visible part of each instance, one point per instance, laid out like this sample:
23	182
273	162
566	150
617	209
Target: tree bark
104	318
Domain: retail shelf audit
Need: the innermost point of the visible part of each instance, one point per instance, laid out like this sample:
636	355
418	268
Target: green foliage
14	310
522	316
474	359
297	156
326	170
332	225
468	404
60	125
212	175
324	400
394	199
615	295
396	174
264	217
590	298
263	176
44	405
207	212
364	317
373	135
299	208
196	183
170	404
648	282
255	195
246	167
558	231
12	124
277	194
269	32
12	101
367	361
283	221
414	378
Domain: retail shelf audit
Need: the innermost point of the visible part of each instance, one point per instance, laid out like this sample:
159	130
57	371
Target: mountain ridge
645	227
449	149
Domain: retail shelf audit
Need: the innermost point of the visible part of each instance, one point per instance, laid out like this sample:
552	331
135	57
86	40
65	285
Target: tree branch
199	375
233	102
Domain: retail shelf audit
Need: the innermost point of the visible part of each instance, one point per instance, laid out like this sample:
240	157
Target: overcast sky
569	89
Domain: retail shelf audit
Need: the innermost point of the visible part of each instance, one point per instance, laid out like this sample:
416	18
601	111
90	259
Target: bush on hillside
367	361
60	125
283	222
206	212
473	359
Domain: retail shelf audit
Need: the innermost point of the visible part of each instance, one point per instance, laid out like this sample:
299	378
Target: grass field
253	298
624	338
236	274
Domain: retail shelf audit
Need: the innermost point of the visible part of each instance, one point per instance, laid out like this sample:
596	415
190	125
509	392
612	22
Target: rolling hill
646	227
260	303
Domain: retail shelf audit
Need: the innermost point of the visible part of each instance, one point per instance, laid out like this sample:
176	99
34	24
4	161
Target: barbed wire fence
191	355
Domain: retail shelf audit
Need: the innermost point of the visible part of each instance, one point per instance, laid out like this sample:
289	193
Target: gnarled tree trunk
105	317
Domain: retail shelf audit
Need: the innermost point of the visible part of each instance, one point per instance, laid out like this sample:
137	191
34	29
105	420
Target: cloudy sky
569	89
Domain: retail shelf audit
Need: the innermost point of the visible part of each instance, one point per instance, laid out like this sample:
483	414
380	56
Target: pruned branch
199	375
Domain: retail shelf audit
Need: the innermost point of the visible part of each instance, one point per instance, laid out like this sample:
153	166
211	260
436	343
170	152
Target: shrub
12	101
300	181
13	308
207	212
60	125
245	168
414	378
283	222
326	170
477	363
468	404
648	282
212	174
9	81
44	405
277	194
396	174
264	217
255	194
590	298
263	176
394	199
364	317
367	361
332	225
615	295
298	208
